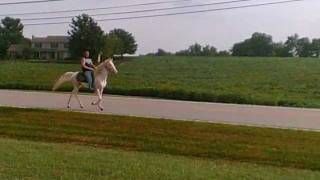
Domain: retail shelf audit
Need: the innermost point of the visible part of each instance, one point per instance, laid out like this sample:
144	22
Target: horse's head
109	65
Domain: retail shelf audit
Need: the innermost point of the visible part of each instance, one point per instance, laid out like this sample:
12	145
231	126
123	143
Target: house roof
51	39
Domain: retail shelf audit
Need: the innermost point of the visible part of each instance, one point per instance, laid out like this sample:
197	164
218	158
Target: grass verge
34	160
283	148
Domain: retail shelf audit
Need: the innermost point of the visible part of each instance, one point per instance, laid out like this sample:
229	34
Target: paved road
280	117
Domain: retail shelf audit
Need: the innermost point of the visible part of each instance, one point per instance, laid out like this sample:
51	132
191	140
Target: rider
88	69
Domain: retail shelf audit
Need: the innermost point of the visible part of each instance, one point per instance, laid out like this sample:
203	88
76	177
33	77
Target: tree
129	45
315	47
27	51
3	46
292	43
162	52
10	33
223	53
209	51
304	48
85	34
281	50
241	48
260	44
113	46
195	49
183	53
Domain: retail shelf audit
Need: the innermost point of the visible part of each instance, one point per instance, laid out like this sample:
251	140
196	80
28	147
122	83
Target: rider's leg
88	75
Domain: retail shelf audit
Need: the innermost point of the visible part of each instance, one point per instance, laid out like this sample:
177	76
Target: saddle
81	77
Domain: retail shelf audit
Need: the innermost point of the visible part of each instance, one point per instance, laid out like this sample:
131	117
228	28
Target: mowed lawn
35	160
281	149
266	81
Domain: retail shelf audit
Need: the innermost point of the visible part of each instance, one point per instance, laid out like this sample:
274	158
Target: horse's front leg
100	100
98	94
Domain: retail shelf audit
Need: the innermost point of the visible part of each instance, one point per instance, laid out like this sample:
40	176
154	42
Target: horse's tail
67	77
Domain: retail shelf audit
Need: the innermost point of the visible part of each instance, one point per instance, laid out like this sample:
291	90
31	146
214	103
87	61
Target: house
50	47
16	51
21	50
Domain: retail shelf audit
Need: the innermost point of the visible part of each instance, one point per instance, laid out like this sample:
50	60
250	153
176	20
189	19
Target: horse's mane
99	68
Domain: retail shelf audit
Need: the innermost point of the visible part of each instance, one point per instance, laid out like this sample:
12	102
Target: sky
220	29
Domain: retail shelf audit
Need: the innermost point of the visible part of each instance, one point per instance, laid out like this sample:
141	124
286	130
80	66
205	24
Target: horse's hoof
81	107
92	103
101	109
69	107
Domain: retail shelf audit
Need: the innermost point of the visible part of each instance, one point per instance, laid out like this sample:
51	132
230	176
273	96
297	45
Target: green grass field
263	146
30	160
265	81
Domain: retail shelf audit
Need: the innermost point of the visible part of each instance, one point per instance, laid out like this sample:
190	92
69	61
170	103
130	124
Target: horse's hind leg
74	93
69	101
76	90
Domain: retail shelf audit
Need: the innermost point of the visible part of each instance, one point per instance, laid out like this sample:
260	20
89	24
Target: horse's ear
99	57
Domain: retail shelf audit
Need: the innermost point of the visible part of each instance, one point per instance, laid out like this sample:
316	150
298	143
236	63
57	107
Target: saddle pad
81	77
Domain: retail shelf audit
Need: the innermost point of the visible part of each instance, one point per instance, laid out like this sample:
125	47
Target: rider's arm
83	64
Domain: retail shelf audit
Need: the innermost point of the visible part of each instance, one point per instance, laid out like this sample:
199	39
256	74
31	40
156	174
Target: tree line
85	34
193	50
261	44
258	45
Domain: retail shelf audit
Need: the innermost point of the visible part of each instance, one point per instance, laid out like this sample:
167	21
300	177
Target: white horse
100	79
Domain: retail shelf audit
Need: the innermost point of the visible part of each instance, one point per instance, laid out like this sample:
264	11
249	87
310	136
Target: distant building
50	47
21	50
16	51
